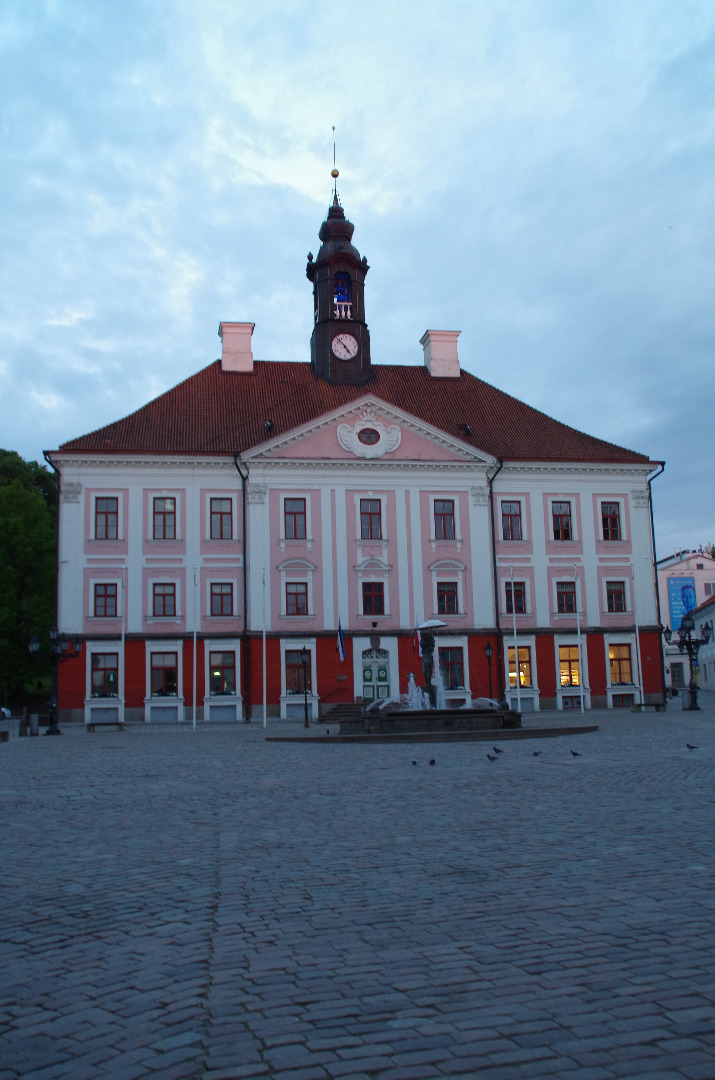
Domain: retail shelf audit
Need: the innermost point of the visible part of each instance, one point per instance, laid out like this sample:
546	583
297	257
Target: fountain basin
427	721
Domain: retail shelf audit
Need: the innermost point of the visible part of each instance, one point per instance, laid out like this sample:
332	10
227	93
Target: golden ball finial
334	173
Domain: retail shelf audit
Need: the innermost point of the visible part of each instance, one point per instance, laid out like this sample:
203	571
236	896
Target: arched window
342	295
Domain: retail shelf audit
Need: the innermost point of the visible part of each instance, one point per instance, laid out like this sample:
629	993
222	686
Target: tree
28	529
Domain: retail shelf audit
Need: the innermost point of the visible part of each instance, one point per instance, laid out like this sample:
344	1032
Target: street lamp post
488	650
691	645
59	650
305	659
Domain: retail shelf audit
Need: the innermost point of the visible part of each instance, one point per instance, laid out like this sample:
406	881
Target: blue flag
341	641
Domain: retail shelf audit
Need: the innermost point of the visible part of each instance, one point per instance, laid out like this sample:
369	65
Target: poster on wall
681	598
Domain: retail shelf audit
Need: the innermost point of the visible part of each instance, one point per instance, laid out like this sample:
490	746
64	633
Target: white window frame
527	596
109	494
373	570
104	580
621	518
571	501
299	571
234	595
453	497
225	702
164	579
572	691
164	645
457	641
627	590
447	570
207	523
382	499
504	496
296	645
308	533
523	641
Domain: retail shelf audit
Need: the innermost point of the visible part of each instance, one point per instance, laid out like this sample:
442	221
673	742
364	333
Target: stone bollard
34	724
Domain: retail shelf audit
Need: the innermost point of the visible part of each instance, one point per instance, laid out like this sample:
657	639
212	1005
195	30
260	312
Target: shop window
524	666
164	669
619	658
451	668
569	665
295	681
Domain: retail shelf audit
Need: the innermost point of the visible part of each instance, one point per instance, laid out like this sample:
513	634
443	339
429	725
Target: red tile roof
216	412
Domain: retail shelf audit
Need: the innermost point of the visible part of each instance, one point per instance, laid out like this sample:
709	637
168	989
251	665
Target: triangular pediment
369	430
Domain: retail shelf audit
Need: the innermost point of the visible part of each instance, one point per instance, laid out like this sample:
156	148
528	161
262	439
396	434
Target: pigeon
432	761
690	746
575	753
497	750
414	762
492	757
535	753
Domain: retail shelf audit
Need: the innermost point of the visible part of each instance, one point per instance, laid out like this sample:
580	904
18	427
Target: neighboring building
705	674
686	579
297	497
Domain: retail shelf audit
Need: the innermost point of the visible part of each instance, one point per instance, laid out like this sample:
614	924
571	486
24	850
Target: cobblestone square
206	904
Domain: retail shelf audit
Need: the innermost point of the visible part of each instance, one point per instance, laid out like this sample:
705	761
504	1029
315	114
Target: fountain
425	709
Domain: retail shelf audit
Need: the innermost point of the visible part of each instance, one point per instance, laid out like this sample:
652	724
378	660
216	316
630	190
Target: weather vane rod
334	173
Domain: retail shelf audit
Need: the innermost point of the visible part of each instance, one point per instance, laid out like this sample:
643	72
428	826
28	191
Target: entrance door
375	675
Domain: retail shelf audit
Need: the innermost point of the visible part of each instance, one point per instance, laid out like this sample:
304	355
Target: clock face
344	346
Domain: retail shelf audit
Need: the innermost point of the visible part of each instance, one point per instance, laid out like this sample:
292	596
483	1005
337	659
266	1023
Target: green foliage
28	526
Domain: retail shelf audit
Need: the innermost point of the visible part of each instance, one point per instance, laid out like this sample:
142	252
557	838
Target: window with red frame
515	595
221	598
296	598
164	599
165	519
619	658
105	674
566	597
511	520
105	600
616	595
444	519
561	517
373	598
106	517
295	683
370	519
221	519
447	598
451	668
611	520
164	671
294	519
222	673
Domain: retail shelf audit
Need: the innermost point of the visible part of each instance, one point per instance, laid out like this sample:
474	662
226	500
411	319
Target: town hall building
260	506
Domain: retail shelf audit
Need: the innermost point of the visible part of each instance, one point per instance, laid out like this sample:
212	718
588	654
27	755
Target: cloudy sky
539	174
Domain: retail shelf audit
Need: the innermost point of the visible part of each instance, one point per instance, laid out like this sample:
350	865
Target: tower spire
334	173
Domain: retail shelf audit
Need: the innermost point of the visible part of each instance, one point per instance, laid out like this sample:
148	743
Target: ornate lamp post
59	650
691	645
488	650
305	660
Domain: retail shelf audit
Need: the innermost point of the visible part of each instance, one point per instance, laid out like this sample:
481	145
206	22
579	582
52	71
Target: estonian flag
341	642
417	643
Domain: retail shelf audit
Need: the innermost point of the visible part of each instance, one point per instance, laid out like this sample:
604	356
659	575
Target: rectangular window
566	597
519	597
619	658
164	668
451	668
165	519
295	681
447	598
106	516
221	598
221	519
524	666
568	665
616	595
370	519
296	598
561	516
105	601
373	598
611	520
294	511
104	674
708	588
164	600
444	519
222	673
511	520
677	675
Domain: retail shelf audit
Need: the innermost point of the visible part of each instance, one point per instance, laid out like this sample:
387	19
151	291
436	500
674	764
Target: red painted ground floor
152	679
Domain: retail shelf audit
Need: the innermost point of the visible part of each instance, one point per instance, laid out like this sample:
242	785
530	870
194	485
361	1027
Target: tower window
342	295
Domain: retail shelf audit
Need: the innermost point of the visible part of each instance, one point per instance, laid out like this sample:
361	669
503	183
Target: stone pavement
208	905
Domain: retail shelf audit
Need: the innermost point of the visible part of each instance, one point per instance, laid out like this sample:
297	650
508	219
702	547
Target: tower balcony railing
343	309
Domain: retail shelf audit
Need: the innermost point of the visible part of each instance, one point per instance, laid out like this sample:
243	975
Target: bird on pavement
497	750
492	757
535	753
575	753
414	762
690	746
432	761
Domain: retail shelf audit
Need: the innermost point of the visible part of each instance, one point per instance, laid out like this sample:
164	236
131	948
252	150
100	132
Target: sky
538	174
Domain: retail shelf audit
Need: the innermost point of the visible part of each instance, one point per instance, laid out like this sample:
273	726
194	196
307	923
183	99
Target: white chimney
440	348
236	354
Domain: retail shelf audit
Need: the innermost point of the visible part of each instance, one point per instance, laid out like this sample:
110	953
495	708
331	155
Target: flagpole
639	670
578	635
516	647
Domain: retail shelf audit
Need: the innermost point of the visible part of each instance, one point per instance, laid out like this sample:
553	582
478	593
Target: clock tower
340	343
